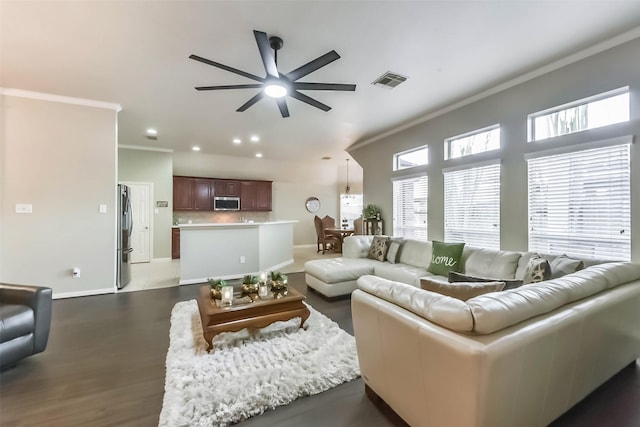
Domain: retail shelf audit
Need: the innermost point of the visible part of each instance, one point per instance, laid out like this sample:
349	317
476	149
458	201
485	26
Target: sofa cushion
415	253
356	246
336	270
440	309
445	257
400	273
459	277
492	312
563	265
460	290
394	249
490	263
16	320
538	270
379	247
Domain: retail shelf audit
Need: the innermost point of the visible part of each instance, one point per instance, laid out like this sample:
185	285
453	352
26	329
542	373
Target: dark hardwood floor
104	366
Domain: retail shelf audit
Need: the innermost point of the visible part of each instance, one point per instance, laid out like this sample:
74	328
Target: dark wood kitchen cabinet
183	192
202	200
175	243
196	194
255	195
263	195
226	188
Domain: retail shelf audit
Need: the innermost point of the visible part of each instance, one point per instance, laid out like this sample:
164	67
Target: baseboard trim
61	295
311	245
161	260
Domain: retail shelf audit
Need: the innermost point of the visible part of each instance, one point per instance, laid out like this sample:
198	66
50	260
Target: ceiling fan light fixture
275	90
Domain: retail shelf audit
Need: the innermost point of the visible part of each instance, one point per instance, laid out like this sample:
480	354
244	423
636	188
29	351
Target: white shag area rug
250	371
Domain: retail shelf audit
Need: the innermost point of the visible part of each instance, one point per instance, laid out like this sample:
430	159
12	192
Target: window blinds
410	208
472	206
579	203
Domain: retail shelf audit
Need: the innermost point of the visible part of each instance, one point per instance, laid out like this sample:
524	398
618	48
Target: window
410	198
472	206
411	158
579	203
475	142
597	111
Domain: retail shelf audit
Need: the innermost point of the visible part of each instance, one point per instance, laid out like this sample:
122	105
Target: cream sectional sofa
338	276
519	357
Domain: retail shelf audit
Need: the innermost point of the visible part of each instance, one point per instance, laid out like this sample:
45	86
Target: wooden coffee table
243	313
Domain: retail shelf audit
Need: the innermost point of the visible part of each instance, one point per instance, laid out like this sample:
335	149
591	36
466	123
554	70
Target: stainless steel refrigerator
125	227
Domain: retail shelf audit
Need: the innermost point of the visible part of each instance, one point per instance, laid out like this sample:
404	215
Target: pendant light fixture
348	187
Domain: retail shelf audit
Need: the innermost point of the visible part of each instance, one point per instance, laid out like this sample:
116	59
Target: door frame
151	212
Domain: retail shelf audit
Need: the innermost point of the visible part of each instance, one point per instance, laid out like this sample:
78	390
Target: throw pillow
538	269
379	247
392	252
445	257
461	290
562	265
508	283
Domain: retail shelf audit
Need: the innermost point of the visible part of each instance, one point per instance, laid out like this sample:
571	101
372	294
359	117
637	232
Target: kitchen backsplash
212	217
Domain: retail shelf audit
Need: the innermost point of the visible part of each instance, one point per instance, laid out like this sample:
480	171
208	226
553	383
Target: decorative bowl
278	286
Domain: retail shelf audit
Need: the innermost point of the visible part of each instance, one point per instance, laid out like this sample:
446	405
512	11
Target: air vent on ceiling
152	137
389	80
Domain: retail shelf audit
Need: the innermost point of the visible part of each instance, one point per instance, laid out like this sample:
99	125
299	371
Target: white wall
61	159
156	167
293	183
611	69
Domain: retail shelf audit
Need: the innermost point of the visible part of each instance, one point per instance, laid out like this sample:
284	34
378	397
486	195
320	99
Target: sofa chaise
516	357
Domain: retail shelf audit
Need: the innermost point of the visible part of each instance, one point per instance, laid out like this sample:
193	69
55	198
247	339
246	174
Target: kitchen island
231	250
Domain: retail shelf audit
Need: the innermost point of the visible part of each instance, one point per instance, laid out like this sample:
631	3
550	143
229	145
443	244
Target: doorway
141	194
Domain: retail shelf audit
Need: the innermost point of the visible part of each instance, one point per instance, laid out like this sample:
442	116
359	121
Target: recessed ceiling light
258	155
237	140
195	148
152	131
326	158
255	138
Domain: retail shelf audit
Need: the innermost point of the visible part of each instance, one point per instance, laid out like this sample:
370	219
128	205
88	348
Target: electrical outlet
75	273
242	260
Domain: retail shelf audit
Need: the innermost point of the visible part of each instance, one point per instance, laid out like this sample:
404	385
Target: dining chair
325	241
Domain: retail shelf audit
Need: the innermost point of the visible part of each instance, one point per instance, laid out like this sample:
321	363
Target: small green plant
370	211
250	279
216	283
276	276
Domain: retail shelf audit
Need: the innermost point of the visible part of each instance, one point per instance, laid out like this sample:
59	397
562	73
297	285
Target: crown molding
59	98
143	148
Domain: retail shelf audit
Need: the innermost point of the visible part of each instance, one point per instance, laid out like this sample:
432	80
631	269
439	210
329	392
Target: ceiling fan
275	84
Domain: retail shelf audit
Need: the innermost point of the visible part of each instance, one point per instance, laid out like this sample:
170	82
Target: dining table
340	233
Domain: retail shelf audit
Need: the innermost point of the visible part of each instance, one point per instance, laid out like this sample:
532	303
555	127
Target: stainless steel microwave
226	203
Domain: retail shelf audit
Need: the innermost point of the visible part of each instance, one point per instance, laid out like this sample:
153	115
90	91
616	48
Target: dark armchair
25	321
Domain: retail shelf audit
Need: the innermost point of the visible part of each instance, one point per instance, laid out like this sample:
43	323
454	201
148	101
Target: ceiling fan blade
282	105
306	99
312	66
225	67
251	86
250	102
266	53
323	86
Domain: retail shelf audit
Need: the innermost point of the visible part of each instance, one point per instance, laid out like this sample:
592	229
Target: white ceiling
135	53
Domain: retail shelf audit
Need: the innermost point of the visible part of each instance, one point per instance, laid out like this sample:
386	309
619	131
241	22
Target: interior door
140	196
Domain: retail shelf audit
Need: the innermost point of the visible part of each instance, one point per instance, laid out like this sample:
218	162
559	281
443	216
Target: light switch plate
24	208
103	208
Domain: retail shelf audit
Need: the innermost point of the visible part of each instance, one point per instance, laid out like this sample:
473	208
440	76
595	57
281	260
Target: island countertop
233	224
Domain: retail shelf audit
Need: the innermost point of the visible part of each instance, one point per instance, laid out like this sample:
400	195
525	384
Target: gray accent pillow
378	248
394	249
538	270
563	265
460	290
459	277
